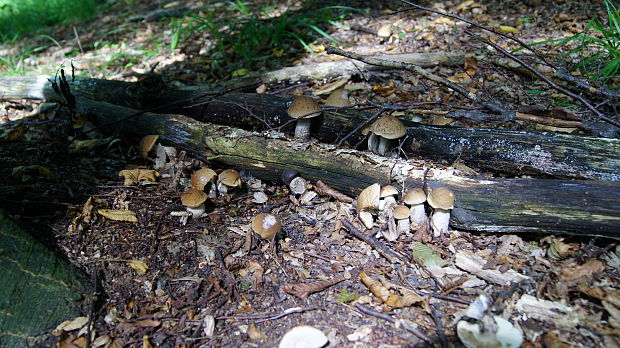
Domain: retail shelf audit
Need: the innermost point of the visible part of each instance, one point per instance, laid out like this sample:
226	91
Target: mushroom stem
440	221
302	129
418	215
384	145
373	142
197	212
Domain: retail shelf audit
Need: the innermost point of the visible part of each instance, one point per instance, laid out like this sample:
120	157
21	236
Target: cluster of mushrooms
380	133
206	183
411	214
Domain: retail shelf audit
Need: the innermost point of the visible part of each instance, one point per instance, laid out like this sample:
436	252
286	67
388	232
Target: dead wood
483	204
503	151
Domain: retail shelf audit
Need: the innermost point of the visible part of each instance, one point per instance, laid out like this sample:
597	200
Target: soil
172	281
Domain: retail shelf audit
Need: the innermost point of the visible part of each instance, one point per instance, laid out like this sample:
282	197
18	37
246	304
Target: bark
483	204
38	289
513	153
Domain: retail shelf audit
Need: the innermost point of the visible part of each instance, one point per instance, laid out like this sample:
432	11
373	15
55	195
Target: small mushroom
387	196
303	109
368	201
289	174
202	177
401	214
266	225
298	185
385	129
441	200
146	144
339	98
303	337
415	198
228	178
194	202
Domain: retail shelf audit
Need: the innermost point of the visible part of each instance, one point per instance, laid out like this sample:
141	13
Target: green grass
247	38
19	17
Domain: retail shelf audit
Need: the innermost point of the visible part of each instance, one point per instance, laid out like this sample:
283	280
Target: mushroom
298	185
385	129
441	200
368	201
339	98
266	225
415	198
228	178
201	178
303	109
289	174
401	214
387	196
146	144
303	337
194	202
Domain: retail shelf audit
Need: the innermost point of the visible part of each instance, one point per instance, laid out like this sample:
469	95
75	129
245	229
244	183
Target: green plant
252	38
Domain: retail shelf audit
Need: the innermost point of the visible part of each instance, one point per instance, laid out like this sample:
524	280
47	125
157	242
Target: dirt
213	282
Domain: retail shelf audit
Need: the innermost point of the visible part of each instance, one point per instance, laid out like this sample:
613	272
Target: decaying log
512	152
483	204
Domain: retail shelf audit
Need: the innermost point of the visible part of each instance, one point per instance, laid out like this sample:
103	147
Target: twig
267	317
546	80
364	124
388	318
577	82
325	190
370	240
439	326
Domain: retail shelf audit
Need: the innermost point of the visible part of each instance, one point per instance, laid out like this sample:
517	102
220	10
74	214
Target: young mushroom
228	178
303	109
415	199
266	225
303	337
194	202
401	214
382	131
202	177
339	98
368	201
441	200
387	196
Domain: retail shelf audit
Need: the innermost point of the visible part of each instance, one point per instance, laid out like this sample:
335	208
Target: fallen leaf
508	29
135	176
118	215
139	266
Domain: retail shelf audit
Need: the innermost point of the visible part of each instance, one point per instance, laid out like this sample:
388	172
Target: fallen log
514	153
483	204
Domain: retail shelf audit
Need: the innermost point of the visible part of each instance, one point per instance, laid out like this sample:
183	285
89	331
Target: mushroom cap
146	144
193	198
230	177
414	196
388	127
289	174
266	225
388	190
369	198
303	336
338	98
401	212
201	178
303	105
441	198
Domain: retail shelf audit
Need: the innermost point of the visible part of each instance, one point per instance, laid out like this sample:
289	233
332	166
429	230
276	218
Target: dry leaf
118	215
134	176
256	335
508	29
139	266
304	290
70	325
145	342
375	287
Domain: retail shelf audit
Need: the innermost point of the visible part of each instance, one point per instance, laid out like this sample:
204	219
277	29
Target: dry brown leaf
579	274
256	335
145	342
304	290
149	323
135	176
508	29
375	287
118	214
139	266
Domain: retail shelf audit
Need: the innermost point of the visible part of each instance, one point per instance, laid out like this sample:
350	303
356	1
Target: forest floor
170	281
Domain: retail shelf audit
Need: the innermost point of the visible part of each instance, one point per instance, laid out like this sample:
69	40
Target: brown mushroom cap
193	198
388	127
338	98
201	178
441	198
266	225
388	190
303	105
401	212
369	198
230	178
414	196
146	144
